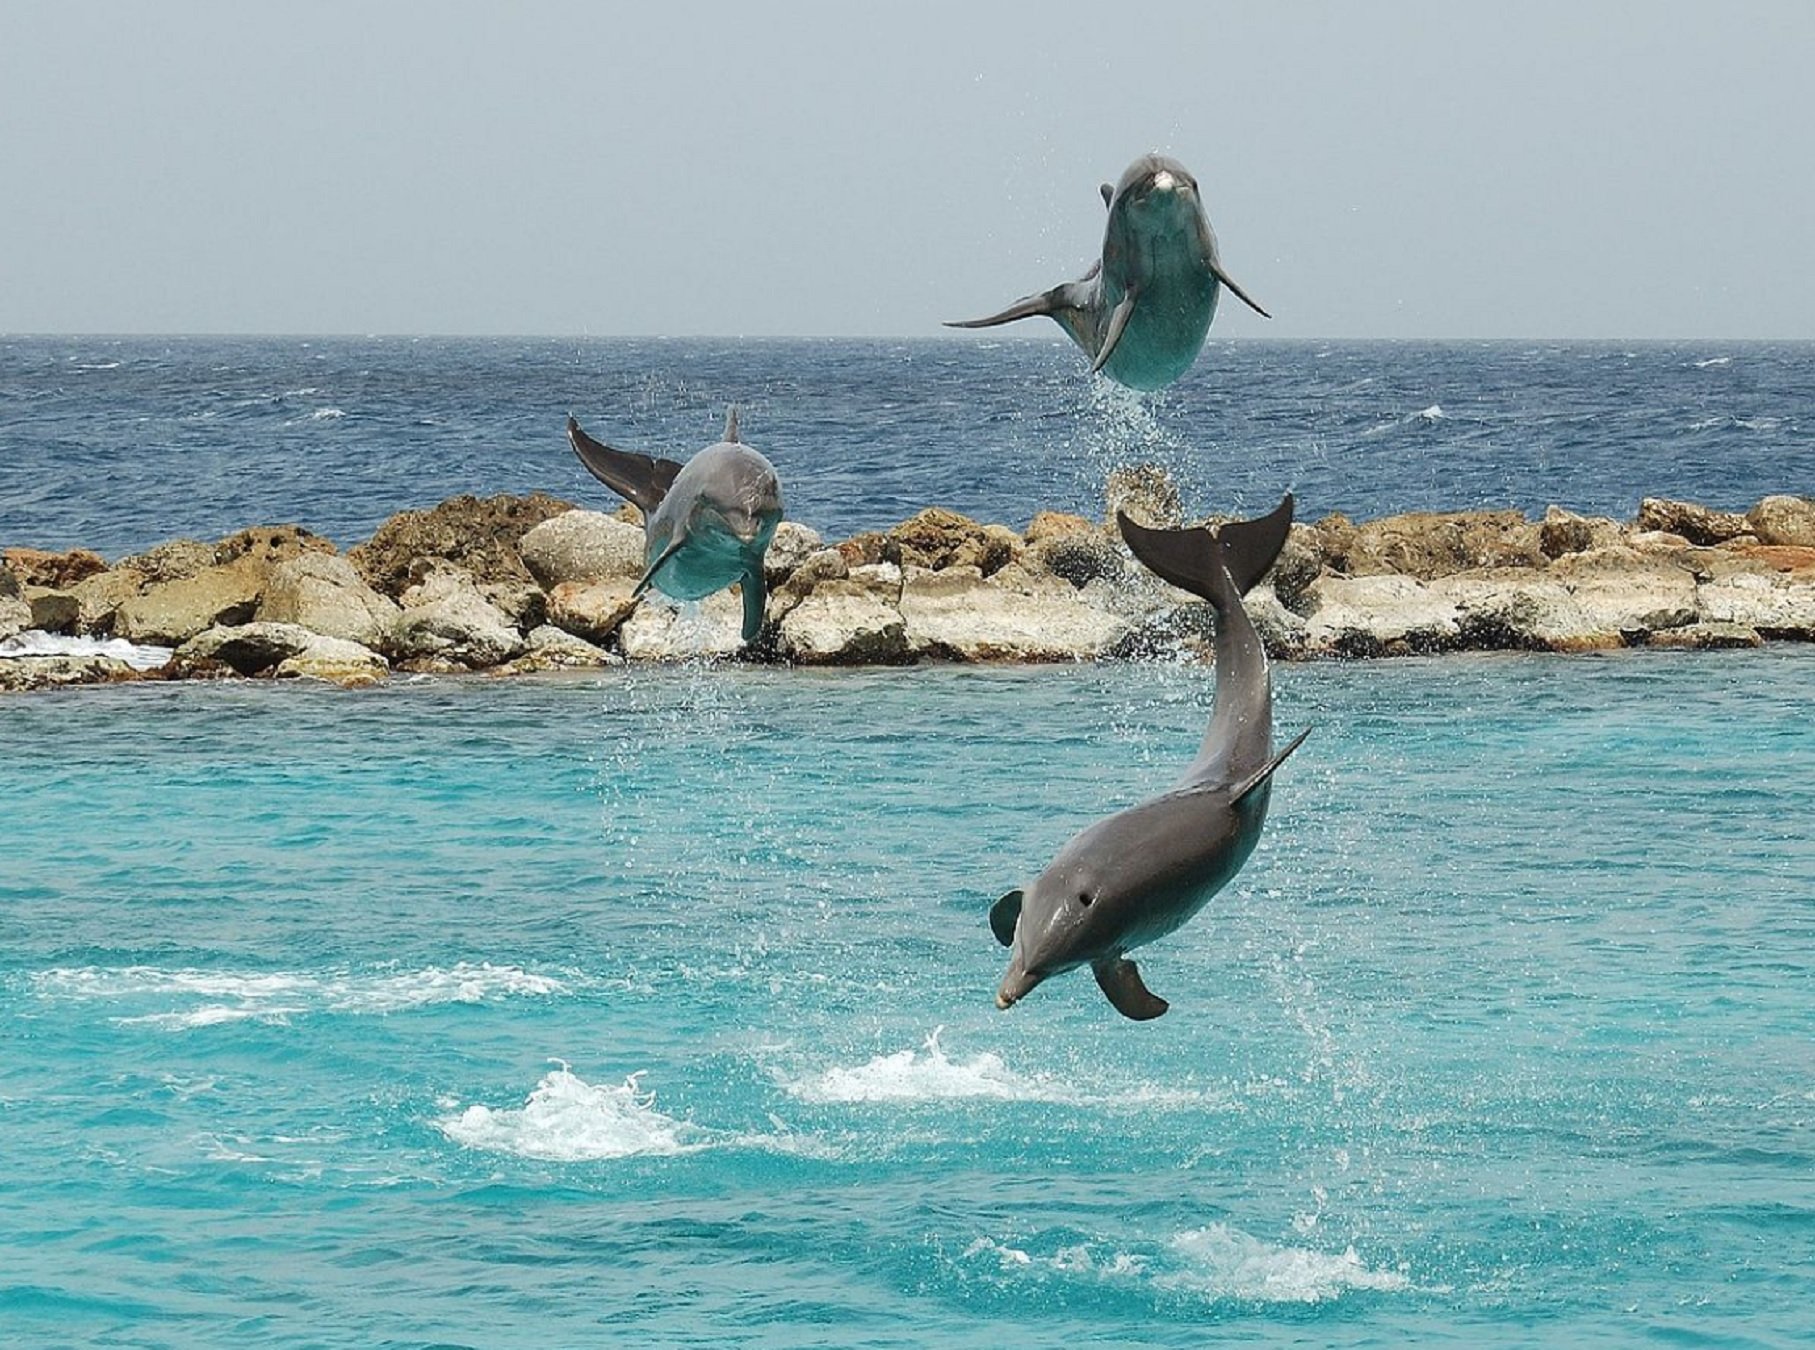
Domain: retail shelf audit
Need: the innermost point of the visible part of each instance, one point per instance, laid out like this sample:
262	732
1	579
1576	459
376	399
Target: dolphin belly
1163	336
701	566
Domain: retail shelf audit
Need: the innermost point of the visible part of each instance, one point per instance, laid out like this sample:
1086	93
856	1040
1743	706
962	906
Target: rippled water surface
119	443
653	1007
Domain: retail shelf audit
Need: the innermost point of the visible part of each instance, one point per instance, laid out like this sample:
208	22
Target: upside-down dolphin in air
1141	873
706	524
1142	311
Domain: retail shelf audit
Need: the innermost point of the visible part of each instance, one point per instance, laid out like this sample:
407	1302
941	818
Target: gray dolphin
706	524
1141	873
1142	311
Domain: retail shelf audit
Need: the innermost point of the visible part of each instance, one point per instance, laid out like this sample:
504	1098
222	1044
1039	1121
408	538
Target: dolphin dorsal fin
1261	775
731	425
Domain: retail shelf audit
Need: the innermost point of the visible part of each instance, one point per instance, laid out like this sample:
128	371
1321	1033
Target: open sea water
653	1006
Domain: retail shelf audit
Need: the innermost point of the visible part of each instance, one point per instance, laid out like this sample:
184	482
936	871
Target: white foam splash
927	1075
1228	1263
35	642
1434	413
326	415
567	1119
276	996
1714	361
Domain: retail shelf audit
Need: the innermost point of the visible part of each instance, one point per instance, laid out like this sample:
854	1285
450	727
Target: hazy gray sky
1573	169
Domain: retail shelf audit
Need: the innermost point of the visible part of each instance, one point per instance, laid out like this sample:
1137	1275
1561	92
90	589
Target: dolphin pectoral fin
1118	322
1261	775
1120	981
756	596
1216	270
1004	915
675	545
640	479
1046	302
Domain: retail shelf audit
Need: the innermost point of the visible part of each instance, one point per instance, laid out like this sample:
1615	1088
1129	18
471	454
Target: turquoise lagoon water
653	1007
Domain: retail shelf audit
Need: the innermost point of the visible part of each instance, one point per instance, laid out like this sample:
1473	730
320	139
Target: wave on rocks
34	642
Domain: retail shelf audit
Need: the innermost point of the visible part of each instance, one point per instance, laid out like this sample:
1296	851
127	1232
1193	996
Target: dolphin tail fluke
1120	981
1262	774
640	479
1188	558
756	597
731	425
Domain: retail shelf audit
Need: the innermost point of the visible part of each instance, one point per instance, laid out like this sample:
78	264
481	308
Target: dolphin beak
1016	985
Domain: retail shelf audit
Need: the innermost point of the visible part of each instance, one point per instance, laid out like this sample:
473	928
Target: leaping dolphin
1141	873
706	524
1142	311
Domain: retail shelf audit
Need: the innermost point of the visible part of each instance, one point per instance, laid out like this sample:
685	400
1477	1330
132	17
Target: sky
1389	170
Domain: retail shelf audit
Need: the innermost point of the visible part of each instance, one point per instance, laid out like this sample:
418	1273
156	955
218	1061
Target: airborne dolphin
1142	311
706	524
1141	873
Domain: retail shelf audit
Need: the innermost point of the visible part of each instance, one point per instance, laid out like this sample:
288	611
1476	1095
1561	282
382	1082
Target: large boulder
937	538
712	627
582	546
335	661
1079	557
792	545
1784	520
324	593
1426	545
43	672
53	611
99	598
172	560
592	610
57	571
446	622
1780	605
15	615
826	564
1563	532
248	649
1693	522
169	613
550	648
1378	615
271	544
1632	592
844	623
1517	610
479	534
954	614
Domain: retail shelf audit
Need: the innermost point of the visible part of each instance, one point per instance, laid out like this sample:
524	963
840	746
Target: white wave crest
1434	413
567	1119
1225	1262
34	642
1714	361
276	996
326	415
927	1075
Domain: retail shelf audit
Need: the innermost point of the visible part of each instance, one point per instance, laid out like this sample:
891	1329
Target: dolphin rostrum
1141	873
1142	311
706	524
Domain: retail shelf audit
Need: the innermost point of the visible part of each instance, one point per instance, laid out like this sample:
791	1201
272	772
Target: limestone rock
1704	637
1518	610
828	564
479	534
99	598
1146	493
792	545
1777	606
45	672
53	611
172	560
937	538
550	648
864	549
324	593
169	613
582	546
446	620
656	631
1298	565
592	610
1052	524
1379	615
15	615
271	544
1695	523
1565	532
1623	589
955	614
9	584
1425	545
1079	558
248	649
57	571
1784	520
844	624
335	661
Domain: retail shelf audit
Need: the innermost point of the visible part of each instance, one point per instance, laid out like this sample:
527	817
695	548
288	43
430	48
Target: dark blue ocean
653	1006
116	444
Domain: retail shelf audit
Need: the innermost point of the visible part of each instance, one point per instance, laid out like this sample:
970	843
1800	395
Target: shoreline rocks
521	584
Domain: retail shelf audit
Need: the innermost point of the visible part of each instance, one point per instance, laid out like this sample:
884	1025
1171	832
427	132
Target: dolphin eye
1084	898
